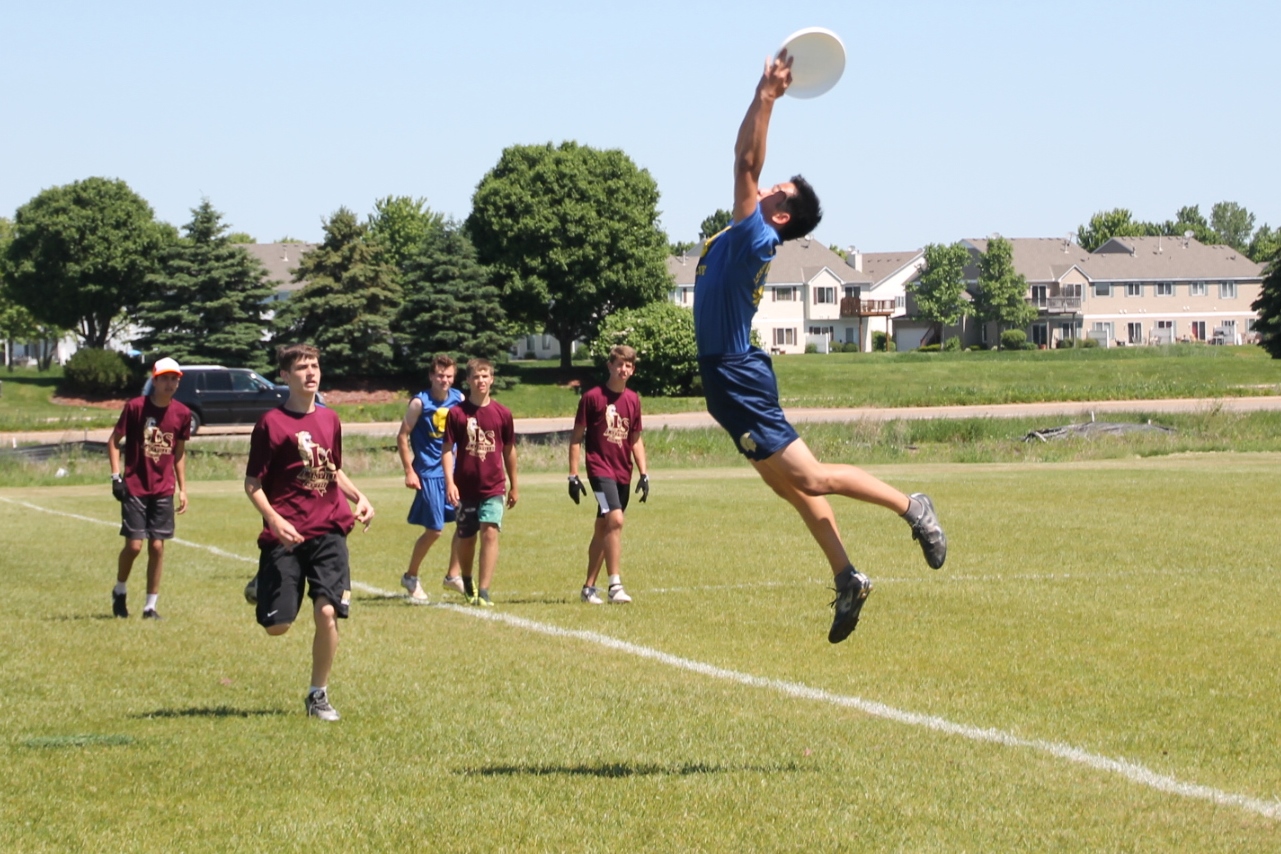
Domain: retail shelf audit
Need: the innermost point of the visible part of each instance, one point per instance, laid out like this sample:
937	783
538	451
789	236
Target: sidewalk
1061	410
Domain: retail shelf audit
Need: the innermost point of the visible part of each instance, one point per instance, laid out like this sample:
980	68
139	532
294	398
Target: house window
1134	333
1198	330
1165	289
1196	289
1070	291
1227	290
1102	327
1165	324
1038	295
785	294
900	302
1103	289
1134	289
851	292
829	331
825	295
785	336
1249	324
547	342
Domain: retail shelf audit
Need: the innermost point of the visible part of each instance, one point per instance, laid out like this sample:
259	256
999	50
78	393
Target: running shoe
150	614
617	595
454	583
848	603
591	596
929	533
416	592
318	706
118	607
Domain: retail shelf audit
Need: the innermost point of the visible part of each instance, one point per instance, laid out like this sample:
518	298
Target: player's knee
613	521
278	629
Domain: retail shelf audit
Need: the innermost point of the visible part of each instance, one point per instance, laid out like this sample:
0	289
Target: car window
259	378
242	381
217	381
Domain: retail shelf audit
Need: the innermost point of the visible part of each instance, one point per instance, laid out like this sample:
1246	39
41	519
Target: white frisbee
818	60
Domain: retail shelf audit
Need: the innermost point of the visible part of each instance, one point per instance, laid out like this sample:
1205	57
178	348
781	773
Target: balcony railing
855	307
1058	305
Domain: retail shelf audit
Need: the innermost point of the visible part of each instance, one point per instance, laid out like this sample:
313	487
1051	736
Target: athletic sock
915	510
483	593
313	689
615	581
151	602
844	578
119	589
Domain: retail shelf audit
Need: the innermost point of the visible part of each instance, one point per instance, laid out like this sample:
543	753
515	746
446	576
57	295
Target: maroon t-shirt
479	435
297	456
150	434
612	422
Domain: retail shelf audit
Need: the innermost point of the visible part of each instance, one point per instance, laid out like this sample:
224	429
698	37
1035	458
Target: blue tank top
428	436
728	285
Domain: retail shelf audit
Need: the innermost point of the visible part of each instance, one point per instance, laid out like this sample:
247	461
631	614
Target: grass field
1093	670
836	380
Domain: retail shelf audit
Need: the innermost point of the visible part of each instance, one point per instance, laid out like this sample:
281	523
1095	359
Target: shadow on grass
66	618
620	769
209	712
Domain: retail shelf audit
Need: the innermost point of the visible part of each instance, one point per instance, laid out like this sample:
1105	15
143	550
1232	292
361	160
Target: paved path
1065	411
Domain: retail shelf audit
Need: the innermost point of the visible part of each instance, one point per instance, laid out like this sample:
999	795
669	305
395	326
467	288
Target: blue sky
953	119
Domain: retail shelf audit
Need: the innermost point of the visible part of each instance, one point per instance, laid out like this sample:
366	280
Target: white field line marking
1130	770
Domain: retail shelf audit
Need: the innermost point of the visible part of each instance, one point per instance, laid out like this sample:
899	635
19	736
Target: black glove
118	490
642	488
576	488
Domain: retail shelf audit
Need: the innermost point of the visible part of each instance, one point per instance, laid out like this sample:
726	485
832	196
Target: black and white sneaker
929	533
318	706
118	607
852	590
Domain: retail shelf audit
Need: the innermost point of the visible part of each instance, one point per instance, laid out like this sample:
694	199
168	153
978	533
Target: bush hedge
100	372
666	355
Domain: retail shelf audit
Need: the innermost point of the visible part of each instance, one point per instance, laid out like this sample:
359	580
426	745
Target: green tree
81	254
680	247
1233	223
1001	296
663	335
1268	305
571	233
1264	245
208	299
1189	218
940	290
288	239
240	237
403	225
451	305
715	223
352	297
1105	225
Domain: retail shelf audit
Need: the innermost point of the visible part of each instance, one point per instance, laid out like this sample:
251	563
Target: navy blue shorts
742	395
429	508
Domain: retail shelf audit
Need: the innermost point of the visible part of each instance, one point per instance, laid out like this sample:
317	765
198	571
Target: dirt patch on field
93	402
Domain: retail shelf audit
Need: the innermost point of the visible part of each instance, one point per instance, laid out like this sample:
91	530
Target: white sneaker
416	592
590	596
617	595
318	706
455	583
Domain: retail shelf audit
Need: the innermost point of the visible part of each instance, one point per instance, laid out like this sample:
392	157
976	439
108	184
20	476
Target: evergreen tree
451	305
348	306
1002	294
208	299
1268	305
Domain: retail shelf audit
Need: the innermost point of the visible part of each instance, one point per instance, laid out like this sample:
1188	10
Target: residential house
814	296
1132	290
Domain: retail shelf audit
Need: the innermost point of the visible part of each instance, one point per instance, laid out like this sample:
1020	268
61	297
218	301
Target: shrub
928	348
666	355
1086	343
952	345
1013	339
100	372
811	348
880	342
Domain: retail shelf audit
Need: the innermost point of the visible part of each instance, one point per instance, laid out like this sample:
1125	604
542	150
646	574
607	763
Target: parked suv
218	395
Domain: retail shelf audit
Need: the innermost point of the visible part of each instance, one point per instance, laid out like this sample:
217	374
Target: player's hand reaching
576	488
642	488
777	76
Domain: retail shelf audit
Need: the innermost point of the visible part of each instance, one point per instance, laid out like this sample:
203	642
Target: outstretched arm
749	149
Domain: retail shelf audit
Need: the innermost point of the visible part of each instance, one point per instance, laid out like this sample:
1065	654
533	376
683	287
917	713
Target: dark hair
288	354
804	209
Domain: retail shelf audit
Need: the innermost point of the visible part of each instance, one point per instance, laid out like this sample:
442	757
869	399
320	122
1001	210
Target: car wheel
195	422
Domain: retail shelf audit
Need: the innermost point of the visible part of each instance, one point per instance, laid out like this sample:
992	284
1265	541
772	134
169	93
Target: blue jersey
428	436
728	285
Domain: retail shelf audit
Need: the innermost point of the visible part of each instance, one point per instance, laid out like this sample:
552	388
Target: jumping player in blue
420	444
739	381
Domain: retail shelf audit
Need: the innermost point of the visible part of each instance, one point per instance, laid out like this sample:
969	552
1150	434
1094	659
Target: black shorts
321	562
147	517
608	494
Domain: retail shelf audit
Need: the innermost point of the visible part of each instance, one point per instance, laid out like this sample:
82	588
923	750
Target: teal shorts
471	514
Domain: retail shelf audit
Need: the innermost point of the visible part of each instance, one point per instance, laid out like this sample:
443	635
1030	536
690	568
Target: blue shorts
429	508
742	395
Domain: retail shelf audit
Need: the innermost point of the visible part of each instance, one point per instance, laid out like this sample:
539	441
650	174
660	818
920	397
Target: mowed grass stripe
1132	771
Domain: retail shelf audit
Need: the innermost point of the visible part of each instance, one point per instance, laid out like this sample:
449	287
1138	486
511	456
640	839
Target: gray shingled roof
795	262
281	260
1047	259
